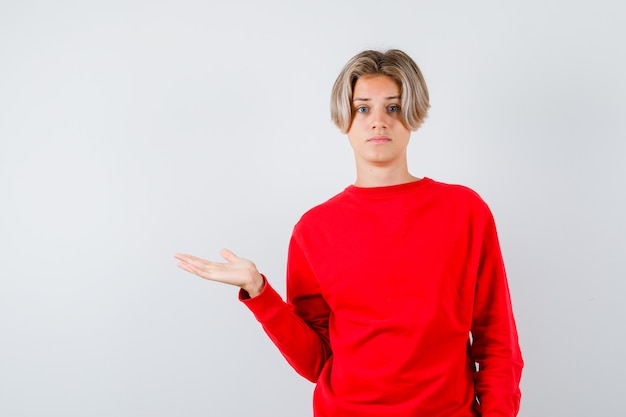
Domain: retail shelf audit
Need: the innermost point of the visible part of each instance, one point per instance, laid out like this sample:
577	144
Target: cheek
359	122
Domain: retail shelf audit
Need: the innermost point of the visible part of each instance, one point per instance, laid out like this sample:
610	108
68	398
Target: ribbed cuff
264	306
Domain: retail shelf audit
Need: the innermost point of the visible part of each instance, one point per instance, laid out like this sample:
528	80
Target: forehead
371	86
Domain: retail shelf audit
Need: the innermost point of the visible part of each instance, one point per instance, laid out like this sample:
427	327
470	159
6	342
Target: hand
236	271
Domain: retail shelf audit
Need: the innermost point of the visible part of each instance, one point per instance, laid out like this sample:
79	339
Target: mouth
379	139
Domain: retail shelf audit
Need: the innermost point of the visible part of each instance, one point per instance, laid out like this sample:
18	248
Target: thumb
228	255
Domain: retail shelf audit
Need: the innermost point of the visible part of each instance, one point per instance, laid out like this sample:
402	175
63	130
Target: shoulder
451	190
321	213
460	199
325	209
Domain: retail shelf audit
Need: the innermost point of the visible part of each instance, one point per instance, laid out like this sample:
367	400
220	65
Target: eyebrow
368	99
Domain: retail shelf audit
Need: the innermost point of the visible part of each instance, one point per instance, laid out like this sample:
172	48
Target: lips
379	139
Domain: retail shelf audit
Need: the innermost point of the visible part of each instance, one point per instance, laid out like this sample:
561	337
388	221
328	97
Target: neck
373	176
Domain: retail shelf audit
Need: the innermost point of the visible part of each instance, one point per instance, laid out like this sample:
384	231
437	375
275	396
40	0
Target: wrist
255	286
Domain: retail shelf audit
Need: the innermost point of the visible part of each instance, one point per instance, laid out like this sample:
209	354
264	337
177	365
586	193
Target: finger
187	267
182	257
229	255
204	269
194	260
185	257
193	264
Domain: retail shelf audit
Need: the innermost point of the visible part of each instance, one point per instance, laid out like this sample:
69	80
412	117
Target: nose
380	119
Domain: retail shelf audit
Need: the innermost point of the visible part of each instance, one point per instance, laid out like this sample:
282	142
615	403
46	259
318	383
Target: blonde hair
392	63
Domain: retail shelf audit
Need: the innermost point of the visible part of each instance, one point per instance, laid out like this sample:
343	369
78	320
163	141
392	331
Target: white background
131	130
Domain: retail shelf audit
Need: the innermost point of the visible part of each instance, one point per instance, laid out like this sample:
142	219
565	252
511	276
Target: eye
361	109
393	108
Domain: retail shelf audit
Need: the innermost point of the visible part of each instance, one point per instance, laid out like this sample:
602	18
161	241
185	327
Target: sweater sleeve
495	346
298	327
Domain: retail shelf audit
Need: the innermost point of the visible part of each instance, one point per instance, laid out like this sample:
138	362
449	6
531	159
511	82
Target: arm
299	328
495	346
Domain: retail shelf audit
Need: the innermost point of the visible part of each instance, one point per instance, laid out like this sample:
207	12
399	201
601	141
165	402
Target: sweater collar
389	189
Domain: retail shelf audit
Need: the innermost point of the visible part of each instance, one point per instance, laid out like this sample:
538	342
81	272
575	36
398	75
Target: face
377	134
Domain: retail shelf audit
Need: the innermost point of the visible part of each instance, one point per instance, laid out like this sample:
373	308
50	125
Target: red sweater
398	305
